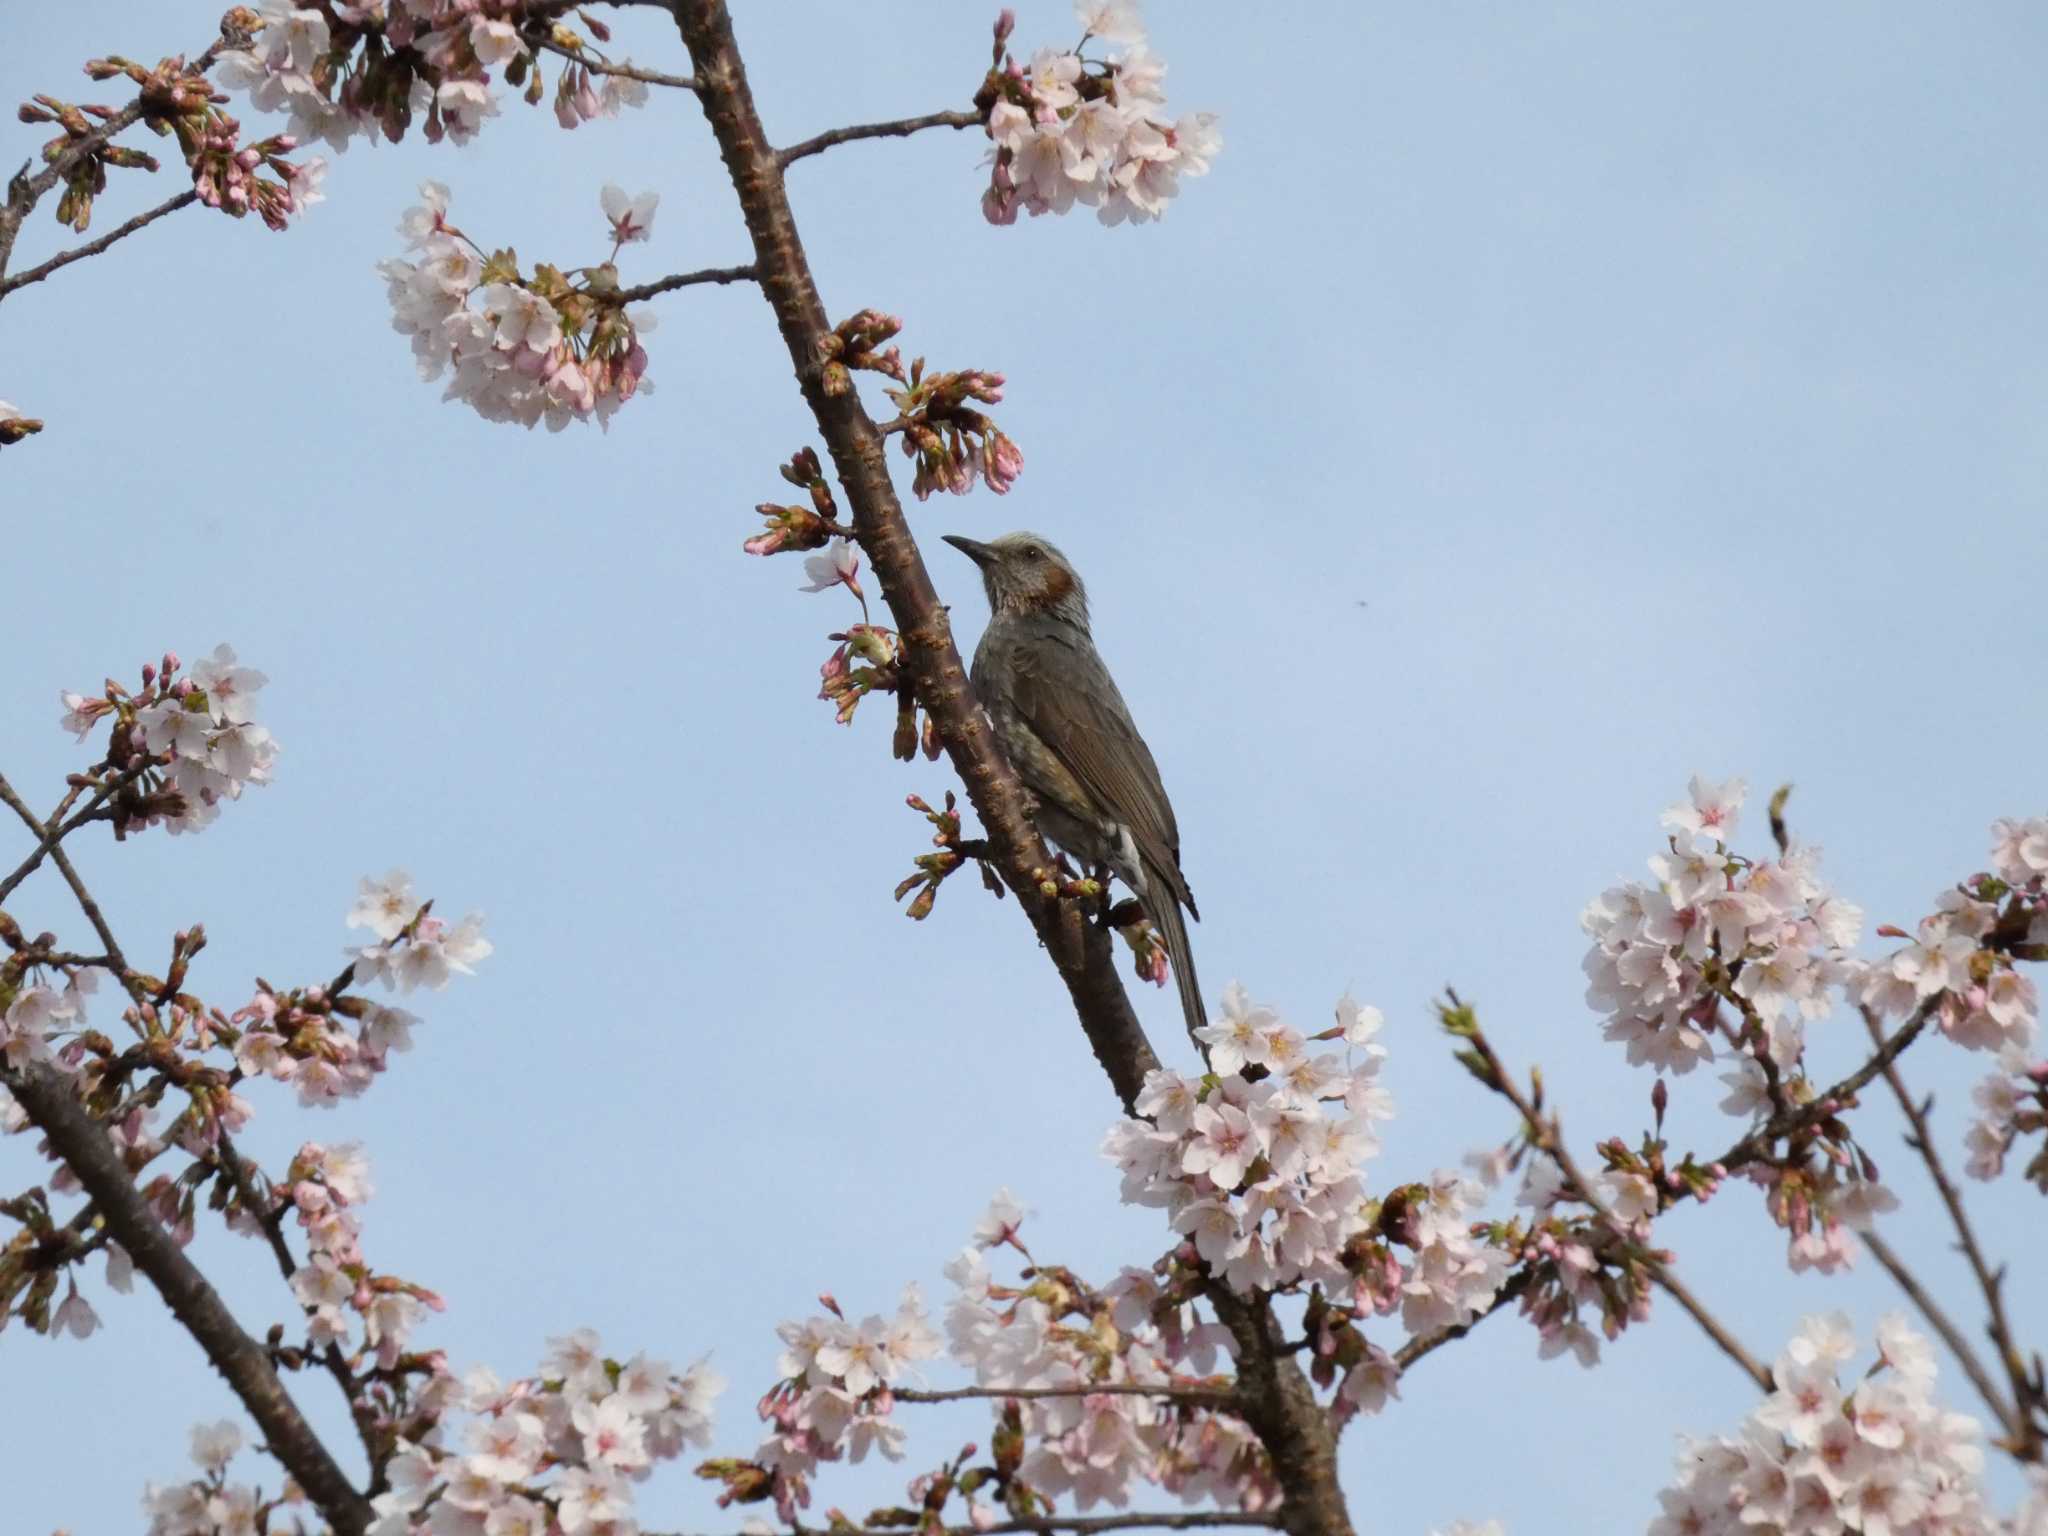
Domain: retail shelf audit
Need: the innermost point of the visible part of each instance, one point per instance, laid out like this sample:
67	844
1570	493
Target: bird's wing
1065	694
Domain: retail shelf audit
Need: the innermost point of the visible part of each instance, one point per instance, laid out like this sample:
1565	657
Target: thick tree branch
94	247
1276	1400
46	1096
1081	952
902	128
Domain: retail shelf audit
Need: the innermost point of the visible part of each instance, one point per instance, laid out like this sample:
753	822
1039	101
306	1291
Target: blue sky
1535	405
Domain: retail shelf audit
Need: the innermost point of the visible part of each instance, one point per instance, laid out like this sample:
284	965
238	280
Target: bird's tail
1173	929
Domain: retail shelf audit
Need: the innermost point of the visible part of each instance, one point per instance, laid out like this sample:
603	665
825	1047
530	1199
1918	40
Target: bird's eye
1033	552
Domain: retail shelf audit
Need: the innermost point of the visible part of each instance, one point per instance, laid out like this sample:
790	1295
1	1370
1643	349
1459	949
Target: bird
1060	719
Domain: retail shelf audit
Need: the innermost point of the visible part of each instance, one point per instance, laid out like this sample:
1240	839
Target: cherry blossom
189	741
536	349
631	218
390	62
1069	130
1826	1451
1719	948
838	564
424	951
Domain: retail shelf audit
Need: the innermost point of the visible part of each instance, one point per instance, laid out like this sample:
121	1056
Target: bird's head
1026	574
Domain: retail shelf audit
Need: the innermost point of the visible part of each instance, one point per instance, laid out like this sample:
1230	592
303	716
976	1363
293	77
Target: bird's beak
973	549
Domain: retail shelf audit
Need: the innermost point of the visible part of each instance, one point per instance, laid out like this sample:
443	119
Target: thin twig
902	128
25	192
48	835
1548	1137
745	274
93	915
1208	1397
1952	1336
2026	1400
94	247
269	1214
1082	1525
1757	1143
1429	1343
623	71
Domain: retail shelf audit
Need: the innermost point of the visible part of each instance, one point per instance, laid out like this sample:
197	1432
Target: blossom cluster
33	1010
1104	1397
833	1400
1961	958
324	1187
184	745
208	1505
1876	1453
953	443
866	657
1767	938
226	173
1258	1166
559	1451
1071	130
413	948
329	1045
526	349
2011	1102
371	68
1112	1360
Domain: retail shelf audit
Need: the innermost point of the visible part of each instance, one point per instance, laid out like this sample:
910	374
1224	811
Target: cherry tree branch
1080	1525
623	71
1205	1397
660	285
25	191
2028	1403
268	1213
1509	1293
902	128
1276	1400
1080	951
1548	1137
1951	1335
1757	1144
184	1289
49	835
46	1096
94	247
